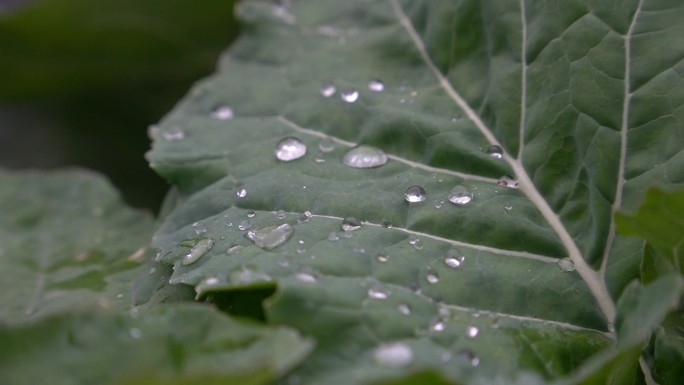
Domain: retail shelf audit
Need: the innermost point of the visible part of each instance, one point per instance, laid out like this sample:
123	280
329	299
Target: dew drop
306	277
404	309
319	158
197	251
332	237
472	331
350	224
365	157
376	85
432	277
438	326
382	256
438	204
453	259
173	134
508	182
251	214
234	249
326	145
508	207
460	195
350	96
566	264
222	112
386	223
280	214
304	217
270	237
241	192
415	194
290	148
377	292
210	281
469	356
495	151
199	228
328	90
244	225
415	242
395	355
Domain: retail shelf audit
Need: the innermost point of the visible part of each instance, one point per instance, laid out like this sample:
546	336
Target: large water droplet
415	242
460	195
290	149
270	237
415	194
395	355
377	292
326	145
364	157
328	90
566	264
241	192
469	356
350	224
197	251
404	309
173	134
222	112
350	95
472	331
453	259
508	182
304	217
376	85
495	151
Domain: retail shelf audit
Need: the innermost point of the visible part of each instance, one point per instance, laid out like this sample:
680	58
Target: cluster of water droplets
350	95
459	195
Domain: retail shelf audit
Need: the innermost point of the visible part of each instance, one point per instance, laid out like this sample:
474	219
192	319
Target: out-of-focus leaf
456	93
179	344
66	241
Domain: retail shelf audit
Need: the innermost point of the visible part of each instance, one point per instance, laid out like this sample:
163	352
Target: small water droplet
332	237
454	259
404	309
566	264
395	355
460	195
319	158
270	237
350	224
222	112
415	194
359	249
377	292
306	277
199	228
244	225
495	151
415	242
472	331
438	326
135	333
173	134
350	96
326	145
120	295
376	85
386	223
241	192
383	256
469	356
438	204
508	207
328	90
210	281
508	182
289	149
365	157
280	214
304	217
234	249
200	248
251	214
432	277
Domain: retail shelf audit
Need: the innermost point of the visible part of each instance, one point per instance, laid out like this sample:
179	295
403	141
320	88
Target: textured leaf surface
566	90
66	241
187	344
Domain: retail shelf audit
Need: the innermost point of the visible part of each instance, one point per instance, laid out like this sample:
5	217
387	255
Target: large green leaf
578	97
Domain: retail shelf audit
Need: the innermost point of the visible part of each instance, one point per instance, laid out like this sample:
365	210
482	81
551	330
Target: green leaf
567	91
66	241
182	344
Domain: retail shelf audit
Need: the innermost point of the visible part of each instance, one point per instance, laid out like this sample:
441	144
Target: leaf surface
565	93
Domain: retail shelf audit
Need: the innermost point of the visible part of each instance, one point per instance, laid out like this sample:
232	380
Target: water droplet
234	249
415	194
377	292
508	182
210	281
199	228
332	237
135	333
244	225
438	204
350	96
350	224
280	214
251	214
241	192
432	277
247	276
395	355
382	256
326	145
508	207
438	326
472	331
173	134
404	309
222	112
290	148
200	248
566	264
319	158
364	157
376	85
306	277
270	237
328	90
415	242
460	195
359	249
120	295
453	259
495	151
469	356
386	223
304	217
